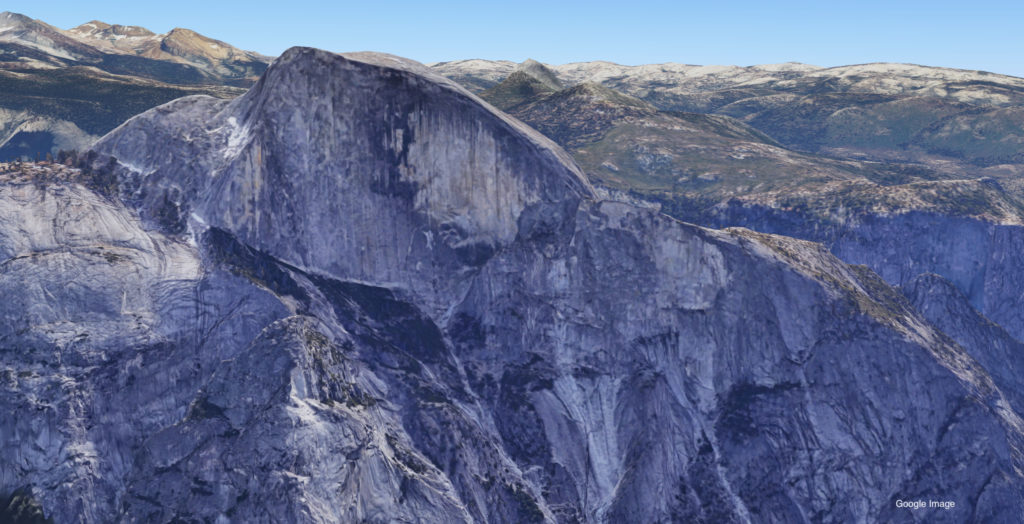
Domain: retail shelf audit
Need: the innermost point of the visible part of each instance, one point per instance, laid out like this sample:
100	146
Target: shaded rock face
358	294
947	308
25	135
979	257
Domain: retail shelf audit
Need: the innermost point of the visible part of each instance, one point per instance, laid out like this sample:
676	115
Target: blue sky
983	35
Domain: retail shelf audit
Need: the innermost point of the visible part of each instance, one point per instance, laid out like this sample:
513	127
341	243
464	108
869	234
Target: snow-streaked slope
37	35
128	50
178	45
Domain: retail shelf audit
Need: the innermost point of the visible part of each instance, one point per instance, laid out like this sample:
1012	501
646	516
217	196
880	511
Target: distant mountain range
62	89
695	137
180	56
872	111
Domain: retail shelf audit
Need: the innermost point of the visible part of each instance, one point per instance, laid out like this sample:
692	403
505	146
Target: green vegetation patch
92	100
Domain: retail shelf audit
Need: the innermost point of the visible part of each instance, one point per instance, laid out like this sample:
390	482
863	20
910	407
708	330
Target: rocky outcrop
24	135
358	294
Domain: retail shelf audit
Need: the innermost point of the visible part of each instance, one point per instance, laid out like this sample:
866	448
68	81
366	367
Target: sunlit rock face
359	294
370	169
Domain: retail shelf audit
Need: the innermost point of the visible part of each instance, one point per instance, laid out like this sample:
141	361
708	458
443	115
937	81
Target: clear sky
979	34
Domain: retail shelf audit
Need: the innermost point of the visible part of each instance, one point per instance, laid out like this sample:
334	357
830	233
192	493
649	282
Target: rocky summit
359	294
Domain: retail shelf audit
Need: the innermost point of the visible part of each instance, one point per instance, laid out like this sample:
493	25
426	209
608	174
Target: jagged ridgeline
358	294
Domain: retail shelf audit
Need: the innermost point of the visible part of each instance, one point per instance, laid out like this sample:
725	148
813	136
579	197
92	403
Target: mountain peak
210	57
35	34
197	48
518	88
90	26
8	19
528	82
302	56
372	131
182	31
584	112
305	61
541	73
103	30
596	93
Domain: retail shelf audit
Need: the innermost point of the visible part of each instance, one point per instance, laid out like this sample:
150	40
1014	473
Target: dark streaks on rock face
703	496
254	265
521	428
398	135
302	166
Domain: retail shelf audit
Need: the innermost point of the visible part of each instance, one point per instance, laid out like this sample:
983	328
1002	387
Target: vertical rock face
979	257
358	294
303	164
947	308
